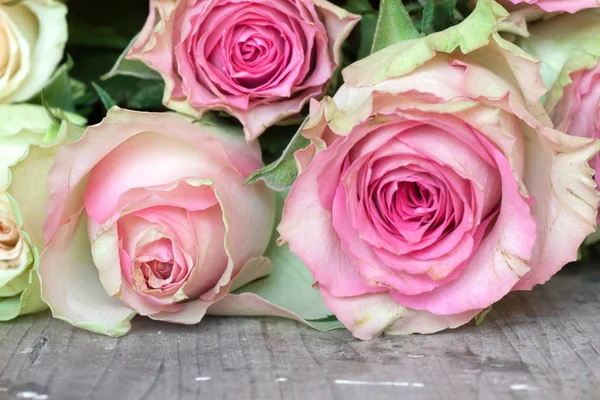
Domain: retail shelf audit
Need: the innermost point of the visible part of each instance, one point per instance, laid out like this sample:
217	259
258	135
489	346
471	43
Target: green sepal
394	25
281	174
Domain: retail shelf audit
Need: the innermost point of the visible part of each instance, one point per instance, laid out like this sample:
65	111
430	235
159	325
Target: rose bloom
33	34
438	184
28	142
149	214
570	6
571	68
260	61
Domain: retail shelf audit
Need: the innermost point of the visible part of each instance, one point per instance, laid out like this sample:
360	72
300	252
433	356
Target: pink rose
571	69
438	185
578	111
570	6
260	61
149	214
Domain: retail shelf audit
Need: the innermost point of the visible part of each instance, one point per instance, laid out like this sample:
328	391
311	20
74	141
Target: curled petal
193	311
71	287
76	160
371	315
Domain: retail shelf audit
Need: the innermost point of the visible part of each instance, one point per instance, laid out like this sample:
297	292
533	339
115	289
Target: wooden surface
539	345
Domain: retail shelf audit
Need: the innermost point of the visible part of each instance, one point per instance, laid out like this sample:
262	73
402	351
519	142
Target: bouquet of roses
389	167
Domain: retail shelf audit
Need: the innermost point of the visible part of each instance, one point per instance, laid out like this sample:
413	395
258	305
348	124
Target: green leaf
58	91
105	98
481	316
133	68
471	34
438	15
325	324
290	284
583	253
275	140
413	7
394	25
365	32
149	96
359	6
281	174
368	24
55	119
83	98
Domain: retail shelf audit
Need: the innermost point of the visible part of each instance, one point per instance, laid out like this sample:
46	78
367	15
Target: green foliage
290	285
58	92
281	174
53	117
365	32
133	68
481	316
394	20
98	40
393	25
438	15
105	98
275	140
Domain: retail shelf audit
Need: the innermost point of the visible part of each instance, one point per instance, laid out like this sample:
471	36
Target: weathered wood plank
544	344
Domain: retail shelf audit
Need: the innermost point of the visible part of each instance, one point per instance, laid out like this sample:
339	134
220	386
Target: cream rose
33	34
149	214
29	141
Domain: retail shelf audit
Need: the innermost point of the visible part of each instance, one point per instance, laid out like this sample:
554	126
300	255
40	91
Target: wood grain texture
539	345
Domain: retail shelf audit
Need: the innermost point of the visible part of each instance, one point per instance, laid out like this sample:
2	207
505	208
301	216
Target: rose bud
260	61
28	142
33	34
149	214
439	186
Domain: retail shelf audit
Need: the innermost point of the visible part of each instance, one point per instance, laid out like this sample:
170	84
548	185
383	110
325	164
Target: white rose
33	34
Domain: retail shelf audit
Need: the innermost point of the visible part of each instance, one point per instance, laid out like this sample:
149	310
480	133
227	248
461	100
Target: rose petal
71	288
371	315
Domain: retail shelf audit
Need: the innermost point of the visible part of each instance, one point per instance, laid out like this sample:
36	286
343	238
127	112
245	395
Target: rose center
252	49
157	264
161	269
9	235
413	201
157	273
251	55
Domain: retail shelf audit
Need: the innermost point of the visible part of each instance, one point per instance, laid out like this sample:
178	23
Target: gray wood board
539	345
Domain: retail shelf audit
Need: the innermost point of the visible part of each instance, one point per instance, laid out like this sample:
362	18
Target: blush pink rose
260	61
148	214
571	69
578	110
570	6
435	185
